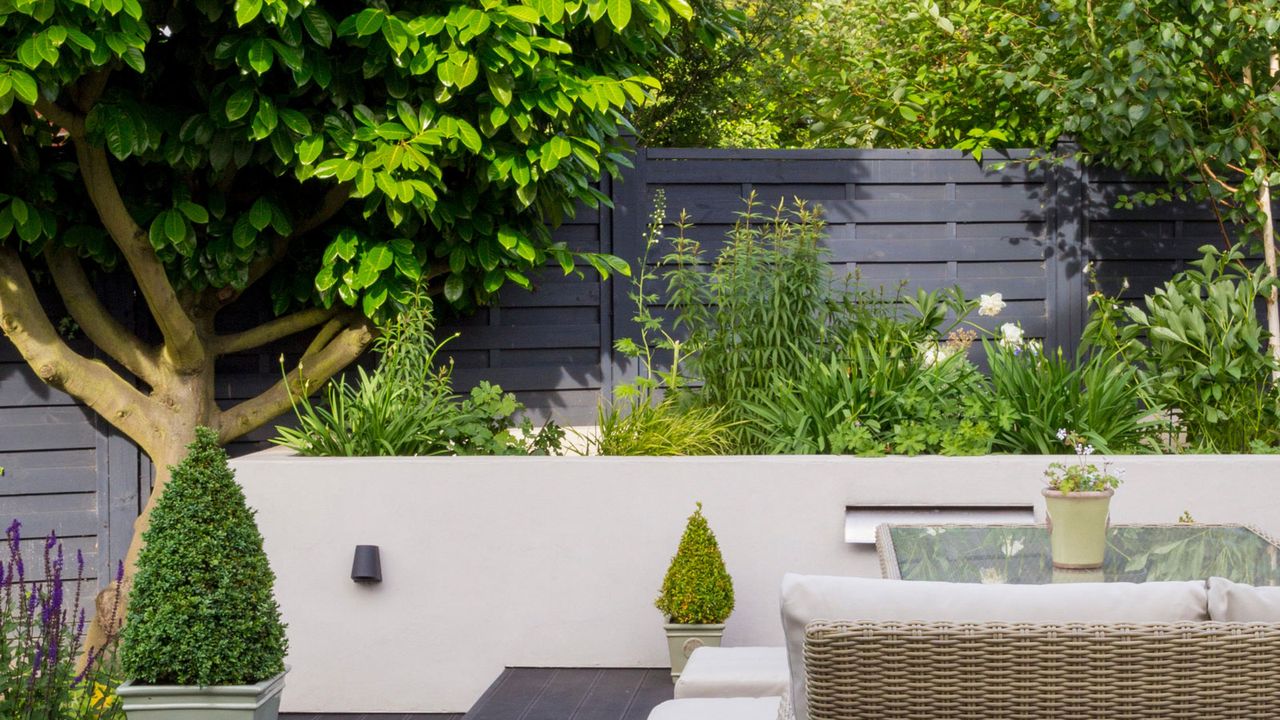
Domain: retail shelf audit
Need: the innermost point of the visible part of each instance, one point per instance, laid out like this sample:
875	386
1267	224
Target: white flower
1011	547
991	576
991	305
933	353
1010	335
1062	433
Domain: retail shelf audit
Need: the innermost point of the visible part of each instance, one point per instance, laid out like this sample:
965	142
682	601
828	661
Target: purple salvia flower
120	571
2	567
79	563
31	603
14	532
93	655
50	541
80	625
21	572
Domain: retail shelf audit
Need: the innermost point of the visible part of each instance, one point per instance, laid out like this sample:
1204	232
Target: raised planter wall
495	562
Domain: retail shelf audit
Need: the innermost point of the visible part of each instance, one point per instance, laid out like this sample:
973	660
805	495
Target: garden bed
490	562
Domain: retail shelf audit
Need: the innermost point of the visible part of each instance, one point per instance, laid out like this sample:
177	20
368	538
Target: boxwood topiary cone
697	589
202	611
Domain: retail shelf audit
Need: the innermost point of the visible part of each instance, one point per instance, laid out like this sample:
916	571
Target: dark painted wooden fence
932	218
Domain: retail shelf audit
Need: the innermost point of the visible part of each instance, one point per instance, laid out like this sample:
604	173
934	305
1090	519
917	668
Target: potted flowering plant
1078	503
697	593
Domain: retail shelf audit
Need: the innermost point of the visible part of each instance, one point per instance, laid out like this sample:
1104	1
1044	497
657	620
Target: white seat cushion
806	598
718	709
1237	602
732	672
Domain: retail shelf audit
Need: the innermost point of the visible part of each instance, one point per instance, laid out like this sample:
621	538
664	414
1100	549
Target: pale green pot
216	702
682	640
1078	527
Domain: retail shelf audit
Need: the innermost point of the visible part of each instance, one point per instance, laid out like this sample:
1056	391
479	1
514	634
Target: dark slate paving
550	694
573	694
365	716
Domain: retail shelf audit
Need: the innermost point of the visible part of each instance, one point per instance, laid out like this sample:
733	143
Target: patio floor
550	694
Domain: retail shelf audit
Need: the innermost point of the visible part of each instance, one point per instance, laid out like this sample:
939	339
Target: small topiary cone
202	610
697	589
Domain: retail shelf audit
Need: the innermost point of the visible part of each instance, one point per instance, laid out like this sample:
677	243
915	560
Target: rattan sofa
939	650
992	670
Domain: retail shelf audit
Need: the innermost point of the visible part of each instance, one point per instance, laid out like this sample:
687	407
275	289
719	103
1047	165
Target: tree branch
98	324
183	346
273	330
25	323
72	122
312	371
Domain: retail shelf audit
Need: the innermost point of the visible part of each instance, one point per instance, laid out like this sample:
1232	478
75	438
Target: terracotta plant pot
682	640
1078	527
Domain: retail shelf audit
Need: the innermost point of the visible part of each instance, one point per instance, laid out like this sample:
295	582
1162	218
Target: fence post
1065	259
630	205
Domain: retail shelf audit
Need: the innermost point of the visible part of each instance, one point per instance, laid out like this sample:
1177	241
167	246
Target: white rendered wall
495	562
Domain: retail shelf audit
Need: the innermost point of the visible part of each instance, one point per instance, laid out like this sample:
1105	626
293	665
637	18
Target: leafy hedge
697	589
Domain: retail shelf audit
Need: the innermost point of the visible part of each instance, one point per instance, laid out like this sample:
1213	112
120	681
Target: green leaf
247	10
379	257
317	26
681	8
24	86
175	226
523	13
239	103
619	13
369	21
453	287
500	85
260	56
195	213
295	121
309	149
260	214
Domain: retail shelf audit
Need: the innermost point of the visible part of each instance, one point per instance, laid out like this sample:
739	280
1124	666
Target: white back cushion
806	598
1236	602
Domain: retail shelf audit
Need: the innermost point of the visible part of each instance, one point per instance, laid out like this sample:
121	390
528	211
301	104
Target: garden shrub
1199	345
888	386
697	589
42	633
1035	392
407	405
202	611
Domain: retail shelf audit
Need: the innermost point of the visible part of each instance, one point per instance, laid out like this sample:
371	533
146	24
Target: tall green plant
640	420
1198	342
763	306
202	610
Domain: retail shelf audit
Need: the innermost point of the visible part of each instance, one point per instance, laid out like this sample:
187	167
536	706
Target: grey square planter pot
193	702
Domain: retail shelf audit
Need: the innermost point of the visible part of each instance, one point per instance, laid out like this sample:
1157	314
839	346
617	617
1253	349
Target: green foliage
927	74
888	387
456	130
1083	476
407	405
1035	392
1178	90
201	611
697	589
638	422
1202	352
759	311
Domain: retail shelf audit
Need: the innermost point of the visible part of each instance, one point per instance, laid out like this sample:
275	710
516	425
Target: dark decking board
550	694
367	716
573	694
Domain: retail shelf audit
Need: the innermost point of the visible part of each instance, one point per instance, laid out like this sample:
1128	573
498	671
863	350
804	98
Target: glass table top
1020	554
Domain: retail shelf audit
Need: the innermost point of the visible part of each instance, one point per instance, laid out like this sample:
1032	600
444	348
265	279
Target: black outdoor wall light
366	567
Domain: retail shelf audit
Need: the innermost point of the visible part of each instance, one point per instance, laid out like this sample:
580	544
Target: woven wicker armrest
987	670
